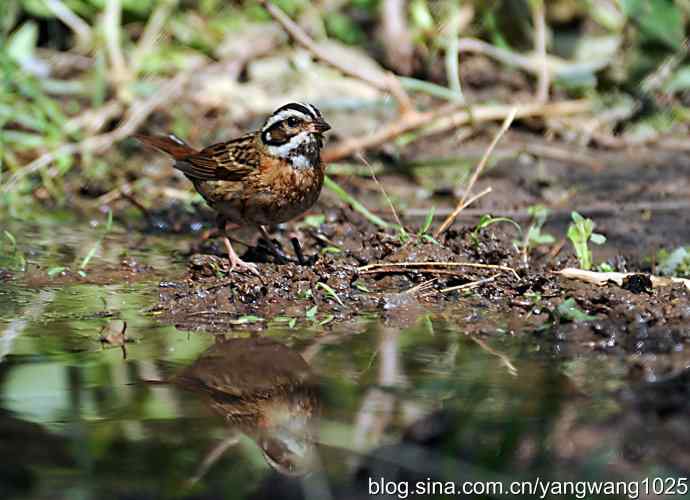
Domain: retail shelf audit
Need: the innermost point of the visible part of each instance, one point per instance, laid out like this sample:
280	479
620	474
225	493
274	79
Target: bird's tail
170	144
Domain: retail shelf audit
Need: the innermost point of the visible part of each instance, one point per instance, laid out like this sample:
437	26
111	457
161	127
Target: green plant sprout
535	237
424	230
675	263
581	233
487	220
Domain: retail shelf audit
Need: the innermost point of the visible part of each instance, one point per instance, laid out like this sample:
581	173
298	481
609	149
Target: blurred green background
75	69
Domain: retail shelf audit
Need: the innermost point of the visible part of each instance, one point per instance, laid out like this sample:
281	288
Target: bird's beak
320	127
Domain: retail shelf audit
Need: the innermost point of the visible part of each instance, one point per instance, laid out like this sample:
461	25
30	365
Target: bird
264	177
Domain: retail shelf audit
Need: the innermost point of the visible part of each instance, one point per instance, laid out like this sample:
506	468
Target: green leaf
597	239
22	43
658	20
428	221
314	221
330	292
331	249
605	267
680	80
326	320
421	16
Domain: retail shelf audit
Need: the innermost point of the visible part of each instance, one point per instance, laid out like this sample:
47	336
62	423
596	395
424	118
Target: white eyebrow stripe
282	116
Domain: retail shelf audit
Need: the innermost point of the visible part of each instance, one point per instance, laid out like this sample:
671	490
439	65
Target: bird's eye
292	121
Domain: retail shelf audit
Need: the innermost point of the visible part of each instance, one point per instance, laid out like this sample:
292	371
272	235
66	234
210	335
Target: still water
100	400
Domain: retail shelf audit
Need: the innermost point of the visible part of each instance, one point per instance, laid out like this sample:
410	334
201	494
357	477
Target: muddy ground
637	198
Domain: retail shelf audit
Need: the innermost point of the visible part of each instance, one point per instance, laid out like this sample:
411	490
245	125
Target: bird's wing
229	161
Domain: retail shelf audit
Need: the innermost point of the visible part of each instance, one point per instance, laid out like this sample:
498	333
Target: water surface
303	412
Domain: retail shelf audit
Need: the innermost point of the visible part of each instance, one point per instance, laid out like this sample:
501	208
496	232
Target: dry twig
386	82
450	117
601	279
396	36
477	171
137	113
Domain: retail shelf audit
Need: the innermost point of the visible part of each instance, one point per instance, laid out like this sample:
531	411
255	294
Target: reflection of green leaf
568	310
311	313
53	271
659	20
246	319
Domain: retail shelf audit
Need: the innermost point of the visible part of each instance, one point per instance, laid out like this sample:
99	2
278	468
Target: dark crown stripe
297	107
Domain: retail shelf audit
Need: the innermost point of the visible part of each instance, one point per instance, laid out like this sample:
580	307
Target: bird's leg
278	252
298	250
308	261
235	261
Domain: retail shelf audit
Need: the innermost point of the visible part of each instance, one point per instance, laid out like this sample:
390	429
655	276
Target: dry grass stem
477	172
543	76
82	31
422	287
152	33
470	285
112	20
383	191
395	267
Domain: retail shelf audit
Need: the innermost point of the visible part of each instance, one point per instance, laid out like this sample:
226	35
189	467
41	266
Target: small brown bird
261	178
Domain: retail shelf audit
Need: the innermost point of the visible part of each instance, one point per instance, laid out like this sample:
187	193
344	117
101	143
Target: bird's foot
237	264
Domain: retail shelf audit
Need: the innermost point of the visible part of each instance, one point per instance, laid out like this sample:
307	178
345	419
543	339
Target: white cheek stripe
283	150
282	116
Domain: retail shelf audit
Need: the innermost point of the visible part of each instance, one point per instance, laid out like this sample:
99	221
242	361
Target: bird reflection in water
266	391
